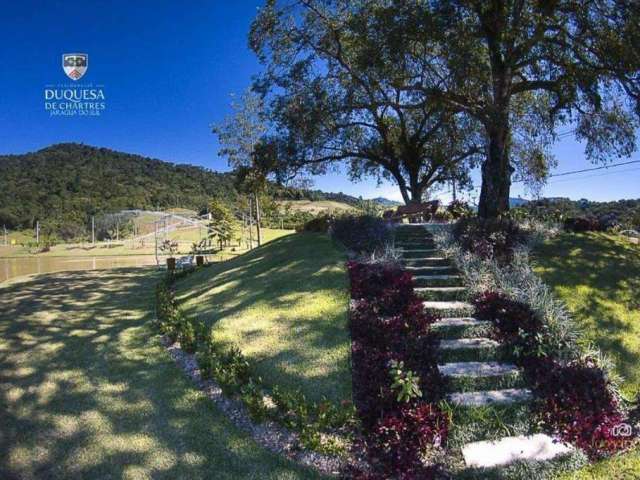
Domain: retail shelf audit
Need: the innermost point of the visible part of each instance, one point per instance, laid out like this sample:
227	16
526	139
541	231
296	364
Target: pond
18	266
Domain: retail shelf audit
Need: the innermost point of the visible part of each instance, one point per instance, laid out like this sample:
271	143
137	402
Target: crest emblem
75	65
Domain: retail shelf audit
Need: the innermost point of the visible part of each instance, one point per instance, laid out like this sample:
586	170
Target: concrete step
441	293
477	369
451	322
437	280
468	343
490	397
419	254
462	327
479	349
449	309
496	453
433	270
435	261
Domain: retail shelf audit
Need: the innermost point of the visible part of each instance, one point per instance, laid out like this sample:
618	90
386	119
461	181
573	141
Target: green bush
318	224
187	335
362	234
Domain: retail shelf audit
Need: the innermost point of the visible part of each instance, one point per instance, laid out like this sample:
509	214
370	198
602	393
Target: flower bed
395	377
576	400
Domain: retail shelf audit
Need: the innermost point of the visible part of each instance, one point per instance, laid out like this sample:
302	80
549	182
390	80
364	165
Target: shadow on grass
87	392
286	304
598	276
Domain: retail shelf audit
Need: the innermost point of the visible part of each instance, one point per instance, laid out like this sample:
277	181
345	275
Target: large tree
364	80
528	67
341	91
240	135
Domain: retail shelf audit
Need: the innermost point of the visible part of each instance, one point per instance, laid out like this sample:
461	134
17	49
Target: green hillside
64	184
285	306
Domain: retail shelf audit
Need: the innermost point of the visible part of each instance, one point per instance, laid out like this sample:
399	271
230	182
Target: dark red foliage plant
399	435
575	401
388	322
578	405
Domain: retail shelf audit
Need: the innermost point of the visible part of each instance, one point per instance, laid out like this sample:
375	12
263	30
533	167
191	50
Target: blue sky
168	69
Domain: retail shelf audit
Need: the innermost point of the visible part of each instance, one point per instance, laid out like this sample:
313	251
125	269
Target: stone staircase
475	366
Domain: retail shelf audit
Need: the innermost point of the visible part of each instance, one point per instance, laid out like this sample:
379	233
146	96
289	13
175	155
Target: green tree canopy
392	85
340	91
524	68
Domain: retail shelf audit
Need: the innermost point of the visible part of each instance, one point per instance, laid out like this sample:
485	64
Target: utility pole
155	236
258	218
38	232
250	224
5	235
93	229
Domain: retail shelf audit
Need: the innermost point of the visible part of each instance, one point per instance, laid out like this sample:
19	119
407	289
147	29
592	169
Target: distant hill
316	207
517	202
385	202
66	183
282	193
63	185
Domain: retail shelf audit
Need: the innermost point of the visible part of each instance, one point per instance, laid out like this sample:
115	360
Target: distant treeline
624	214
63	185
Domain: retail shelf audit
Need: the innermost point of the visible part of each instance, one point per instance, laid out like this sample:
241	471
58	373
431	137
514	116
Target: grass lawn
285	305
122	248
318	206
87	392
597	275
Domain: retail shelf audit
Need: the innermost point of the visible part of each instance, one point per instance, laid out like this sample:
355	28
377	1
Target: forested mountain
63	185
66	183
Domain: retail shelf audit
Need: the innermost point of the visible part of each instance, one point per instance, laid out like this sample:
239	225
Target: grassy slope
285	305
87	392
80	250
315	207
598	277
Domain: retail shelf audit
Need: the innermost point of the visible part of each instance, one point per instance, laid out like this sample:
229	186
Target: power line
593	169
595	176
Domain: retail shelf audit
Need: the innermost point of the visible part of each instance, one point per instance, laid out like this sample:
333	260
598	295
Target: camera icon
622	430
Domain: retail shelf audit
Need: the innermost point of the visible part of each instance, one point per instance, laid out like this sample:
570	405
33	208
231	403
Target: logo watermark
72	100
75	65
622	430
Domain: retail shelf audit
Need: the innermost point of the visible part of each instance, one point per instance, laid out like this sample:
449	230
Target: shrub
576	399
516	324
489	237
400	438
459	209
319	224
362	234
387	286
578	406
187	336
396	381
442	215
582	224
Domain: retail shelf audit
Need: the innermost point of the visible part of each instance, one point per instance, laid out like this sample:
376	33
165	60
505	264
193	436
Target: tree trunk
416	194
496	172
255	195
